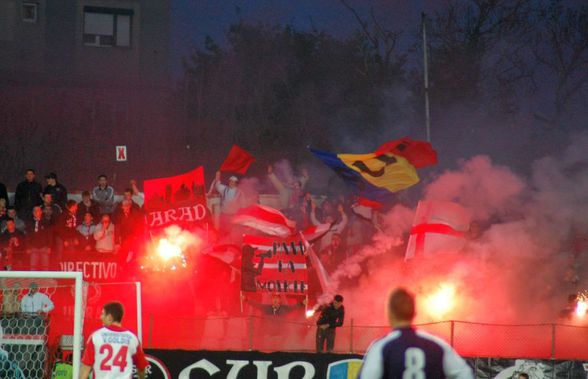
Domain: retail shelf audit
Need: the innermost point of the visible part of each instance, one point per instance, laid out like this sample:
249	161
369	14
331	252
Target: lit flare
441	302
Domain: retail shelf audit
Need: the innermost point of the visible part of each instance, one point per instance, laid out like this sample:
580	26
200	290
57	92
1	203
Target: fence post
552	341
250	329
452	333
351	337
150	336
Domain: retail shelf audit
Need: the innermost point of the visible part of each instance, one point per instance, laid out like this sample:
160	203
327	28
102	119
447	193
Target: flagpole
426	76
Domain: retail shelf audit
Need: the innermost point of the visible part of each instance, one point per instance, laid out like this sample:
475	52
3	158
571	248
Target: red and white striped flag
265	219
365	208
321	272
314	232
284	264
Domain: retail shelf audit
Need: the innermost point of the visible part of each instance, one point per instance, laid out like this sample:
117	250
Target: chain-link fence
541	341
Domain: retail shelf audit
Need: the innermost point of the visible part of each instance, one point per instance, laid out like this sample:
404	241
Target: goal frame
77	329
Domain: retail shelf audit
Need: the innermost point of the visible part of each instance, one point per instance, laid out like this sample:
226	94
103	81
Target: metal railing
540	341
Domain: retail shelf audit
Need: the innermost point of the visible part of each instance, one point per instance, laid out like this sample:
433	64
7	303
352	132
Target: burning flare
581	306
441	302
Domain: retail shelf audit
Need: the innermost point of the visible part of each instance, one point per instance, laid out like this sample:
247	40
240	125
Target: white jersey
111	351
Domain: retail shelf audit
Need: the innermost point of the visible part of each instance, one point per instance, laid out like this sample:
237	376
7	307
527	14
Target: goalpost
26	333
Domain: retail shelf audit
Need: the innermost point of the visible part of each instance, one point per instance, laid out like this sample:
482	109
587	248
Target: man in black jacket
57	190
331	317
4	193
27	195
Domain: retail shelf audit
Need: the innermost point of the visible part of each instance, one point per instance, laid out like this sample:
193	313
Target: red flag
265	219
419	153
238	161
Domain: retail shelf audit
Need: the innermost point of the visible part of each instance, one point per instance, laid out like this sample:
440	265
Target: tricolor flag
438	227
238	161
265	219
391	168
419	153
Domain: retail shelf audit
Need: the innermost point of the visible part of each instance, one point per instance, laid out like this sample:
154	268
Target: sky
192	21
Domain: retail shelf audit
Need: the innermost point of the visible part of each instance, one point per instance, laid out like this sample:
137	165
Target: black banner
251	365
180	364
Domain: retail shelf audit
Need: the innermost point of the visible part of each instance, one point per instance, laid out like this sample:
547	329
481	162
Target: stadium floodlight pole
426	76
77	276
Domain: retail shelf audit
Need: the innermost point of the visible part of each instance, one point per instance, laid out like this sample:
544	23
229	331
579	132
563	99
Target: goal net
41	317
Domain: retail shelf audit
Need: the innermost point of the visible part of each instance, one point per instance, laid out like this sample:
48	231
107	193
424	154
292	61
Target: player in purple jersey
408	353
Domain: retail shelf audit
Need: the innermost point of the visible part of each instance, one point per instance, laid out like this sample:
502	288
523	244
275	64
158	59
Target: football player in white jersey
409	353
112	350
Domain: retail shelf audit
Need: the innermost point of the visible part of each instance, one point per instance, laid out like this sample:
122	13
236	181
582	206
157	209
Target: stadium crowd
40	222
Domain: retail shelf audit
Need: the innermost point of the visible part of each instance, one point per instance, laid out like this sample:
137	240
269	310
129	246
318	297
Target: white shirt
111	351
37	302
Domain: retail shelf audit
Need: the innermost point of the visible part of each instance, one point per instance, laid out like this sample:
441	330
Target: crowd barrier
536	341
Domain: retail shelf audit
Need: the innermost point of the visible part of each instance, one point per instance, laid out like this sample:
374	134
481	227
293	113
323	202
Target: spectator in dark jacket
88	205
331	317
38	240
129	223
27	195
4	193
128	197
57	190
66	225
12	245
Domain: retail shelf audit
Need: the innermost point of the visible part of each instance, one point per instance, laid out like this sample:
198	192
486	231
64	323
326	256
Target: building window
104	27
29	12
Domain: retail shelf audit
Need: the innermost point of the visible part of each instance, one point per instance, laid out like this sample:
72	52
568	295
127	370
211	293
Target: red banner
179	200
271	264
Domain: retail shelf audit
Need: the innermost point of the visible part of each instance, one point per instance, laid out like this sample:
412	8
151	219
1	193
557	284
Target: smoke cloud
517	271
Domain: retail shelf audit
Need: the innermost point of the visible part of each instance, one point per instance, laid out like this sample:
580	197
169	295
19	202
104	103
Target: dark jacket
58	194
94	209
7	240
330	315
42	237
66	225
4	193
26	196
128	226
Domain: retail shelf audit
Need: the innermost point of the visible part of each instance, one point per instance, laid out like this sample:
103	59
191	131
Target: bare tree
473	43
383	42
561	47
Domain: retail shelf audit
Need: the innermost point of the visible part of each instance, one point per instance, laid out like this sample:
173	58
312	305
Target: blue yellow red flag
371	174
